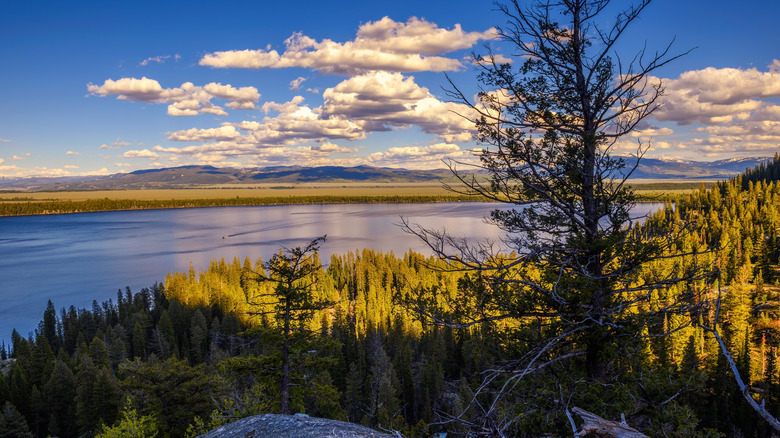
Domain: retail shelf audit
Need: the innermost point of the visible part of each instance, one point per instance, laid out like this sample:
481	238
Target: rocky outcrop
292	426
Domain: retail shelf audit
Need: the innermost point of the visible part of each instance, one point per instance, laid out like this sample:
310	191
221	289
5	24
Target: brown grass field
653	189
233	191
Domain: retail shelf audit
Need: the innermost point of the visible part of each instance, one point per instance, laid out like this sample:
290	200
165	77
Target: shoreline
13	208
18	208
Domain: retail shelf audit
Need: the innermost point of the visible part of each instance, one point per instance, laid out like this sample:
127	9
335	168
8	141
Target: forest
583	316
205	348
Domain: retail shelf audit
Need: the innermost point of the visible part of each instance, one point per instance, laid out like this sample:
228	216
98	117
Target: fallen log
602	428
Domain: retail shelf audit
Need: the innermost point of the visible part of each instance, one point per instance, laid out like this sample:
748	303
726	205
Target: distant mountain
196	176
655	168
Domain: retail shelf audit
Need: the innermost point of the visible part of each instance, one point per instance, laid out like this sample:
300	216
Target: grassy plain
241	191
31	203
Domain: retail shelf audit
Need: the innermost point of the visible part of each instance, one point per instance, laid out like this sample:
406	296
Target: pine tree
59	393
295	298
382	384
171	390
12	424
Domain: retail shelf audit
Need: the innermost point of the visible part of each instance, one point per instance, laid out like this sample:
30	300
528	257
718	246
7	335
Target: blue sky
105	87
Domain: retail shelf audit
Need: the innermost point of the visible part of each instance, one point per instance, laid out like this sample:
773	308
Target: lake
73	259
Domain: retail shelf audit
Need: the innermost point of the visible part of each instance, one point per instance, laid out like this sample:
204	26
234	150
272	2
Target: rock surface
292	426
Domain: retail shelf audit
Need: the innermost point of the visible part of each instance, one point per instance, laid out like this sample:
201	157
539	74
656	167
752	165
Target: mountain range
196	175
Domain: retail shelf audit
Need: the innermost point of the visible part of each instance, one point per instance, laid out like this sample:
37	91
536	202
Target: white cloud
211	134
72	153
651	132
420	157
383	100
21	172
715	96
5	140
143	153
240	98
70	166
160	59
381	45
409	157
107	147
328	148
186	100
17	158
629	147
120	143
436	150
377	101
156	59
732	111
295	84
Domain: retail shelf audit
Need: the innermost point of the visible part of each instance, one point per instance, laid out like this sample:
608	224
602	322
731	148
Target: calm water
74	259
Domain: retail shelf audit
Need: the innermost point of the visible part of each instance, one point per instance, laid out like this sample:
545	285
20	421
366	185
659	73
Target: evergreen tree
170	390
139	341
382	386
48	326
12	424
294	299
59	394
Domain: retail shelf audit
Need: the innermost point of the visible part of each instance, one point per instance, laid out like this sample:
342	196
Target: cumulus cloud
651	132
17	158
328	148
714	96
26	172
380	45
409	157
185	100
72	153
143	153
420	157
226	132
384	100
287	124
732	111
437	150
376	101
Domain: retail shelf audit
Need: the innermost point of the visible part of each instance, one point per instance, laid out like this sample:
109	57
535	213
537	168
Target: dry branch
600	427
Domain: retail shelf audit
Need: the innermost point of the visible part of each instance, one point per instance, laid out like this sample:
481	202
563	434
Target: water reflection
77	258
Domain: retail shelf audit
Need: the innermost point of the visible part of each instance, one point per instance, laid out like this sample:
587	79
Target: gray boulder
292	426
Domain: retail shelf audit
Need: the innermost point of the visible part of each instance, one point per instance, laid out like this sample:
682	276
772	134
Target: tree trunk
285	390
